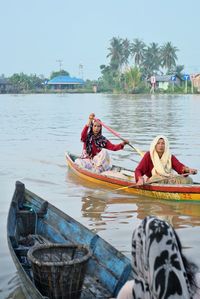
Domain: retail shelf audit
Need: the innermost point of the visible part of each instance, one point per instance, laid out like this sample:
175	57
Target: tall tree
168	56
59	73
25	82
116	54
151	60
107	81
137	51
126	50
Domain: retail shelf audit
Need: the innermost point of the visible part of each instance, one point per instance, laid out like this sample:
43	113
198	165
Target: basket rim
39	263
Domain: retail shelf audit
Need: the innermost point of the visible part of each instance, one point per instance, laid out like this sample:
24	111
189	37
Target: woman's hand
125	141
140	181
189	170
90	119
192	171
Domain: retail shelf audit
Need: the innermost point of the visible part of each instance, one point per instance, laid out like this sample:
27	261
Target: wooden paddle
111	191
119	136
123	188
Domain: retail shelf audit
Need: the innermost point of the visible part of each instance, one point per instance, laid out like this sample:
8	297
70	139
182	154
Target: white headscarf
163	165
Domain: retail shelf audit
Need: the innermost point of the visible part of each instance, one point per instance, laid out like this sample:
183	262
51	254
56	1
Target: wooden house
65	82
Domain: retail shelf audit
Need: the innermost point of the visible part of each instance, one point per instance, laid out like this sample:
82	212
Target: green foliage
137	51
109	79
150	60
168	56
115	53
132	79
25	83
178	70
130	66
59	73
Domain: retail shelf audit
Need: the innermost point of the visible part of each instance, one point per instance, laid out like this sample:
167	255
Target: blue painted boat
33	222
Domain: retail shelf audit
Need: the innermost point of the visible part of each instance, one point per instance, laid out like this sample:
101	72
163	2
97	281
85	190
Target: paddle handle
120	137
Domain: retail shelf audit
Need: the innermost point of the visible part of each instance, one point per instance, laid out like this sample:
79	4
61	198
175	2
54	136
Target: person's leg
84	163
102	161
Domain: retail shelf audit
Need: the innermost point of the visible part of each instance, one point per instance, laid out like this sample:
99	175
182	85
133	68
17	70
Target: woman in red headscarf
95	146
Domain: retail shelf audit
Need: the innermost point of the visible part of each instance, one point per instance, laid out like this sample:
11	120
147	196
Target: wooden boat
119	177
33	222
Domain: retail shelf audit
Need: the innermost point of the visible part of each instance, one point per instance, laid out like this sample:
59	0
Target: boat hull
179	192
107	268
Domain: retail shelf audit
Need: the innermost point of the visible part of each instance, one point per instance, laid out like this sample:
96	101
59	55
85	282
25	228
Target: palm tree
126	50
137	51
151	60
116	53
168	56
155	52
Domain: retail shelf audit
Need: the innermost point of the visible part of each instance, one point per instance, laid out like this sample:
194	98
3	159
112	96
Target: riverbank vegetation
130	69
132	64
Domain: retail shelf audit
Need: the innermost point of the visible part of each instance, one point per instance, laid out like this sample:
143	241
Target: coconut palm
116	53
151	60
126	49
168	56
137	51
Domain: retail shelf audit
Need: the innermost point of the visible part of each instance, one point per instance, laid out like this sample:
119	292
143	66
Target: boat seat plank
116	175
93	289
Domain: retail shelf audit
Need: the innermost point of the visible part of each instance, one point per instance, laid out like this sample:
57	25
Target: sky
42	36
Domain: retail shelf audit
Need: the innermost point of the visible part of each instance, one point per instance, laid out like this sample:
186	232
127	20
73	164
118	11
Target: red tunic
110	146
146	165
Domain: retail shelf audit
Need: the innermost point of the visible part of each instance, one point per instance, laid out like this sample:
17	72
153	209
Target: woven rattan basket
59	269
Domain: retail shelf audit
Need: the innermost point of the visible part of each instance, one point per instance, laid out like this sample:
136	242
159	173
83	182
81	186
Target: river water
35	132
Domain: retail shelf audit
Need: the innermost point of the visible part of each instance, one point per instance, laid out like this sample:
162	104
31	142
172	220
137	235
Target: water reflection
14	291
100	203
177	213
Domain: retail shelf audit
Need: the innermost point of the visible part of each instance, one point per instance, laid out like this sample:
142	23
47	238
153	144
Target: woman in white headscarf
158	164
160	269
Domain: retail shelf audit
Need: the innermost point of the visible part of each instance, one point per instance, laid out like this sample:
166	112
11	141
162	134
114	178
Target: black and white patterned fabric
99	140
157	262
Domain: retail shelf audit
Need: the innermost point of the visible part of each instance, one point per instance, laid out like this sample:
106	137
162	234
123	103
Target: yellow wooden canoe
123	179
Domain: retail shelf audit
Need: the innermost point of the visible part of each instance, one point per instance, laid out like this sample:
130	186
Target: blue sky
36	35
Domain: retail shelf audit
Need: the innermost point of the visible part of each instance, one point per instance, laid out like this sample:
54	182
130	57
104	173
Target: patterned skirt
101	162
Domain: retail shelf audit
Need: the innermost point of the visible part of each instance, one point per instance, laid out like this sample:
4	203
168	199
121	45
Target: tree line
29	83
132	63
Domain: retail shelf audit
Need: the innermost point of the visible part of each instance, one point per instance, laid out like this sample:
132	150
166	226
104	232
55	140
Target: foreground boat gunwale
179	192
115	266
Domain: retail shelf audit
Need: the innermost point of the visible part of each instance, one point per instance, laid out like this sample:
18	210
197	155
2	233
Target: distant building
94	87
65	82
5	85
196	81
164	81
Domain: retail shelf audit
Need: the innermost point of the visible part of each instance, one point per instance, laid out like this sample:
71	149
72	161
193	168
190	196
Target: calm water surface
36	130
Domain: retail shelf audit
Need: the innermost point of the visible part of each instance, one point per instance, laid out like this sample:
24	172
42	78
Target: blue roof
65	80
